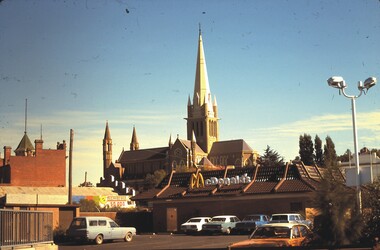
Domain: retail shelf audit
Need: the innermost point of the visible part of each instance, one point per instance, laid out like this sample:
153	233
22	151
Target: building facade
34	166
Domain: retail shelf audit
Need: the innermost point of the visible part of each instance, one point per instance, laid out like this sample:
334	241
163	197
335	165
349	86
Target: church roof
232	146
143	154
187	144
25	144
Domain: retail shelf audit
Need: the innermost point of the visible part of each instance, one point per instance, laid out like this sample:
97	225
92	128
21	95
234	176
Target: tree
329	154
318	151
152	180
345	157
338	223
271	158
371	199
306	149
88	205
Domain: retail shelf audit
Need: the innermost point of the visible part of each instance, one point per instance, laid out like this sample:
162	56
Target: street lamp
339	83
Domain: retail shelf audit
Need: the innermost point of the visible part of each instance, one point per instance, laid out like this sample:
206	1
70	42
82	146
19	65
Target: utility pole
71	166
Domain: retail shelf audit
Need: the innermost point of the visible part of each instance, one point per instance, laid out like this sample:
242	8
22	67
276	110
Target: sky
132	63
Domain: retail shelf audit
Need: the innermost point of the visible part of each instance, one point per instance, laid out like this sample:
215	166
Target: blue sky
81	63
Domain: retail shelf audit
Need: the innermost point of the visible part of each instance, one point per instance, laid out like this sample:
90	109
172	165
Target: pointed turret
107	134
134	142
25	147
107	150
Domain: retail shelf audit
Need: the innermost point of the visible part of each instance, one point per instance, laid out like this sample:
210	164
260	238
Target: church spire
107	150
202	93
134	142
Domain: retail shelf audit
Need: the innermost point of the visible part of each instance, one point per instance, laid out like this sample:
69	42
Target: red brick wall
47	169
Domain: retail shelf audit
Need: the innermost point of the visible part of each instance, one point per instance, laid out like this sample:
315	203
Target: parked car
291	218
276	235
249	223
194	225
220	224
98	229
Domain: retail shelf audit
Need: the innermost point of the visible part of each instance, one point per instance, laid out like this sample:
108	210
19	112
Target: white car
98	229
194	225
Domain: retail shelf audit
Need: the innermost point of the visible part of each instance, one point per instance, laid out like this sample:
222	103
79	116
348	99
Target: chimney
38	144
7	155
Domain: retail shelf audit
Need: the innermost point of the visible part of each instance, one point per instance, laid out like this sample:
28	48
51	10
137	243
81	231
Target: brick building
33	166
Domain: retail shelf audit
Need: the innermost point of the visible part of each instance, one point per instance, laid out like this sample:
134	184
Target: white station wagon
98	229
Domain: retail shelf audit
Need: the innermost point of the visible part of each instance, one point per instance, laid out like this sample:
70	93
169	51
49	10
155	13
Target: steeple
202	119
107	150
25	147
134	142
202	93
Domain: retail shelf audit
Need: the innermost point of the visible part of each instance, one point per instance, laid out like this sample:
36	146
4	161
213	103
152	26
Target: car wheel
99	239
128	237
228	231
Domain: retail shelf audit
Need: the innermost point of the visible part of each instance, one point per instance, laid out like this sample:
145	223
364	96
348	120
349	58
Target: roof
291	178
76	191
25	144
143	154
187	144
228	147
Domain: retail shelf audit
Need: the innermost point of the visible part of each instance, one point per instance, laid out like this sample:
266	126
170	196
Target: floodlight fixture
336	82
370	82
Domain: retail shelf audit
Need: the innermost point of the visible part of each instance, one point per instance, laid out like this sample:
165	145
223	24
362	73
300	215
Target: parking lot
164	241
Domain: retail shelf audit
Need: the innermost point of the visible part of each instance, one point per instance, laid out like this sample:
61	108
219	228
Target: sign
197	180
243	179
108	201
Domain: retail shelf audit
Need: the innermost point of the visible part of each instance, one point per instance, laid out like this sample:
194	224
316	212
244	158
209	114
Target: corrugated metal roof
76	191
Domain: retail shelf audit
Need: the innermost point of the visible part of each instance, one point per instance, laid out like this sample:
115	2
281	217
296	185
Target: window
93	222
113	224
102	223
304	231
296	232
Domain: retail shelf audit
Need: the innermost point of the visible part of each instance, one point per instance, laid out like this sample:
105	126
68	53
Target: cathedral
202	148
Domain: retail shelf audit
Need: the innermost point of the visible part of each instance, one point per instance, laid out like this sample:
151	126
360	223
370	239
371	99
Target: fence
25	227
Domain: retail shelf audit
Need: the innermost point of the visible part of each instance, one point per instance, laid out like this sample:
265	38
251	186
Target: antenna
26	113
200	30
41	132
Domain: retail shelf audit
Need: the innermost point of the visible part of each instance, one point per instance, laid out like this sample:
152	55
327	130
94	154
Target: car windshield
194	220
78	223
218	219
271	232
252	218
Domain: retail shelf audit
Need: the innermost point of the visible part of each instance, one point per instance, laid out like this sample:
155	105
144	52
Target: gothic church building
201	149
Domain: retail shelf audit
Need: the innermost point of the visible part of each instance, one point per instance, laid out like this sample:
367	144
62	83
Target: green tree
152	180
88	205
371	199
345	157
318	151
271	158
329	153
338	223
306	150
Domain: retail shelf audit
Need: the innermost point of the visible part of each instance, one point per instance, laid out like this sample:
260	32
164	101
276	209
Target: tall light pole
339	83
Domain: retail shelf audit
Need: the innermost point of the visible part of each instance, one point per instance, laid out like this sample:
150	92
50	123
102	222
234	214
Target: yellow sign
196	180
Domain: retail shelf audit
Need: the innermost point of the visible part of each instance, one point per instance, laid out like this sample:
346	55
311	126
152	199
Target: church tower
202	114
107	150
